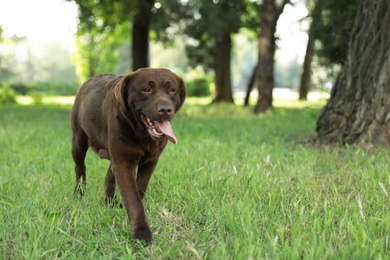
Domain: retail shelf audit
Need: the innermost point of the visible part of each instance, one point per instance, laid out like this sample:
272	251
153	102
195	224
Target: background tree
209	26
98	47
331	25
359	106
306	68
263	74
140	33
6	61
110	14
334	30
5	73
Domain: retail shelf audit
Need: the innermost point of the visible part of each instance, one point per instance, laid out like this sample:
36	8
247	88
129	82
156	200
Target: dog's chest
153	150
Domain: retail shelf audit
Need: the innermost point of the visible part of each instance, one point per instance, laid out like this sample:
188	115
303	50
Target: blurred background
49	47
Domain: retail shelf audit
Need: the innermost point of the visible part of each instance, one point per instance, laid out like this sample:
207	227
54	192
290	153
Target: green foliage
197	21
237	186
20	88
98	52
7	95
102	30
198	83
333	32
54	88
198	87
37	97
46	88
5	71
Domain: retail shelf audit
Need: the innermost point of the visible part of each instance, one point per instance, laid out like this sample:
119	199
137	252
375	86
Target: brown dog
126	120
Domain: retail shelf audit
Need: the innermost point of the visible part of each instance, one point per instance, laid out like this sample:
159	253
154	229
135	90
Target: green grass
237	186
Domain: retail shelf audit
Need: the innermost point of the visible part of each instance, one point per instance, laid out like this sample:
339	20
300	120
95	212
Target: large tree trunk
359	106
140	35
264	78
306	70
222	70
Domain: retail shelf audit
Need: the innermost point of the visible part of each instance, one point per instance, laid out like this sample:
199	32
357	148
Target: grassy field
237	186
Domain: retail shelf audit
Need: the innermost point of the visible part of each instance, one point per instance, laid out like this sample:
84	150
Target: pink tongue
166	128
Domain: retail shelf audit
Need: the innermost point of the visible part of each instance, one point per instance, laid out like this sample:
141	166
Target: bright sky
38	19
292	43
45	20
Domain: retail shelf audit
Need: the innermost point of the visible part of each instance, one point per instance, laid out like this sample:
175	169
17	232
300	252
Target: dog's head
153	96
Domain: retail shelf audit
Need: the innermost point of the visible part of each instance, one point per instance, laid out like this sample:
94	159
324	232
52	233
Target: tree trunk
250	86
359	106
306	70
222	70
140	35
264	78
265	69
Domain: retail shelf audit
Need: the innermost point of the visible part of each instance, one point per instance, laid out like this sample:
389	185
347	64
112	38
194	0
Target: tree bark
306	70
140	35
222	70
264	78
359	106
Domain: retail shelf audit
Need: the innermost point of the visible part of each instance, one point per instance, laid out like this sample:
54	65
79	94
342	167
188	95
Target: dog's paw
143	233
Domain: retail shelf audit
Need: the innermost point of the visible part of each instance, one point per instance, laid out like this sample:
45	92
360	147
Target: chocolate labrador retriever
126	119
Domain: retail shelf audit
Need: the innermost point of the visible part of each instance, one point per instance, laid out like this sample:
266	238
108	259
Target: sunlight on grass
198	100
299	103
239	101
28	100
202	108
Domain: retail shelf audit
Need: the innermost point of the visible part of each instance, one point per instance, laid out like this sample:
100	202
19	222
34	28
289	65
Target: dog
126	119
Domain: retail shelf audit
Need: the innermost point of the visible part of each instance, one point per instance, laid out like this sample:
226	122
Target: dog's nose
165	110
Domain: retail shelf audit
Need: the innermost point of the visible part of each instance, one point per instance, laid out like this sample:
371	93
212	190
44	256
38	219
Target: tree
107	15
209	26
7	66
334	29
5	73
263	74
331	26
98	50
140	34
359	106
214	43
306	68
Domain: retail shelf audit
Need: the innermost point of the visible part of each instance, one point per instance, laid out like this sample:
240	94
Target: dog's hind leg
109	184
79	150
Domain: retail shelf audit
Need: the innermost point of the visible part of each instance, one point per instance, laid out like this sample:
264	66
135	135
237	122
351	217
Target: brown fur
106	117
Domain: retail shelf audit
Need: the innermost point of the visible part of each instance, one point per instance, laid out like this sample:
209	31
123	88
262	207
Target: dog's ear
120	92
182	93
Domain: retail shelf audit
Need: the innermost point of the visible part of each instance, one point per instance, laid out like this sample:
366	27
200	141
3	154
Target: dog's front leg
145	171
125	179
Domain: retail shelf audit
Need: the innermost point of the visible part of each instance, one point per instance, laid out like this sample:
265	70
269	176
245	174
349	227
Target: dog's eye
147	90
172	90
